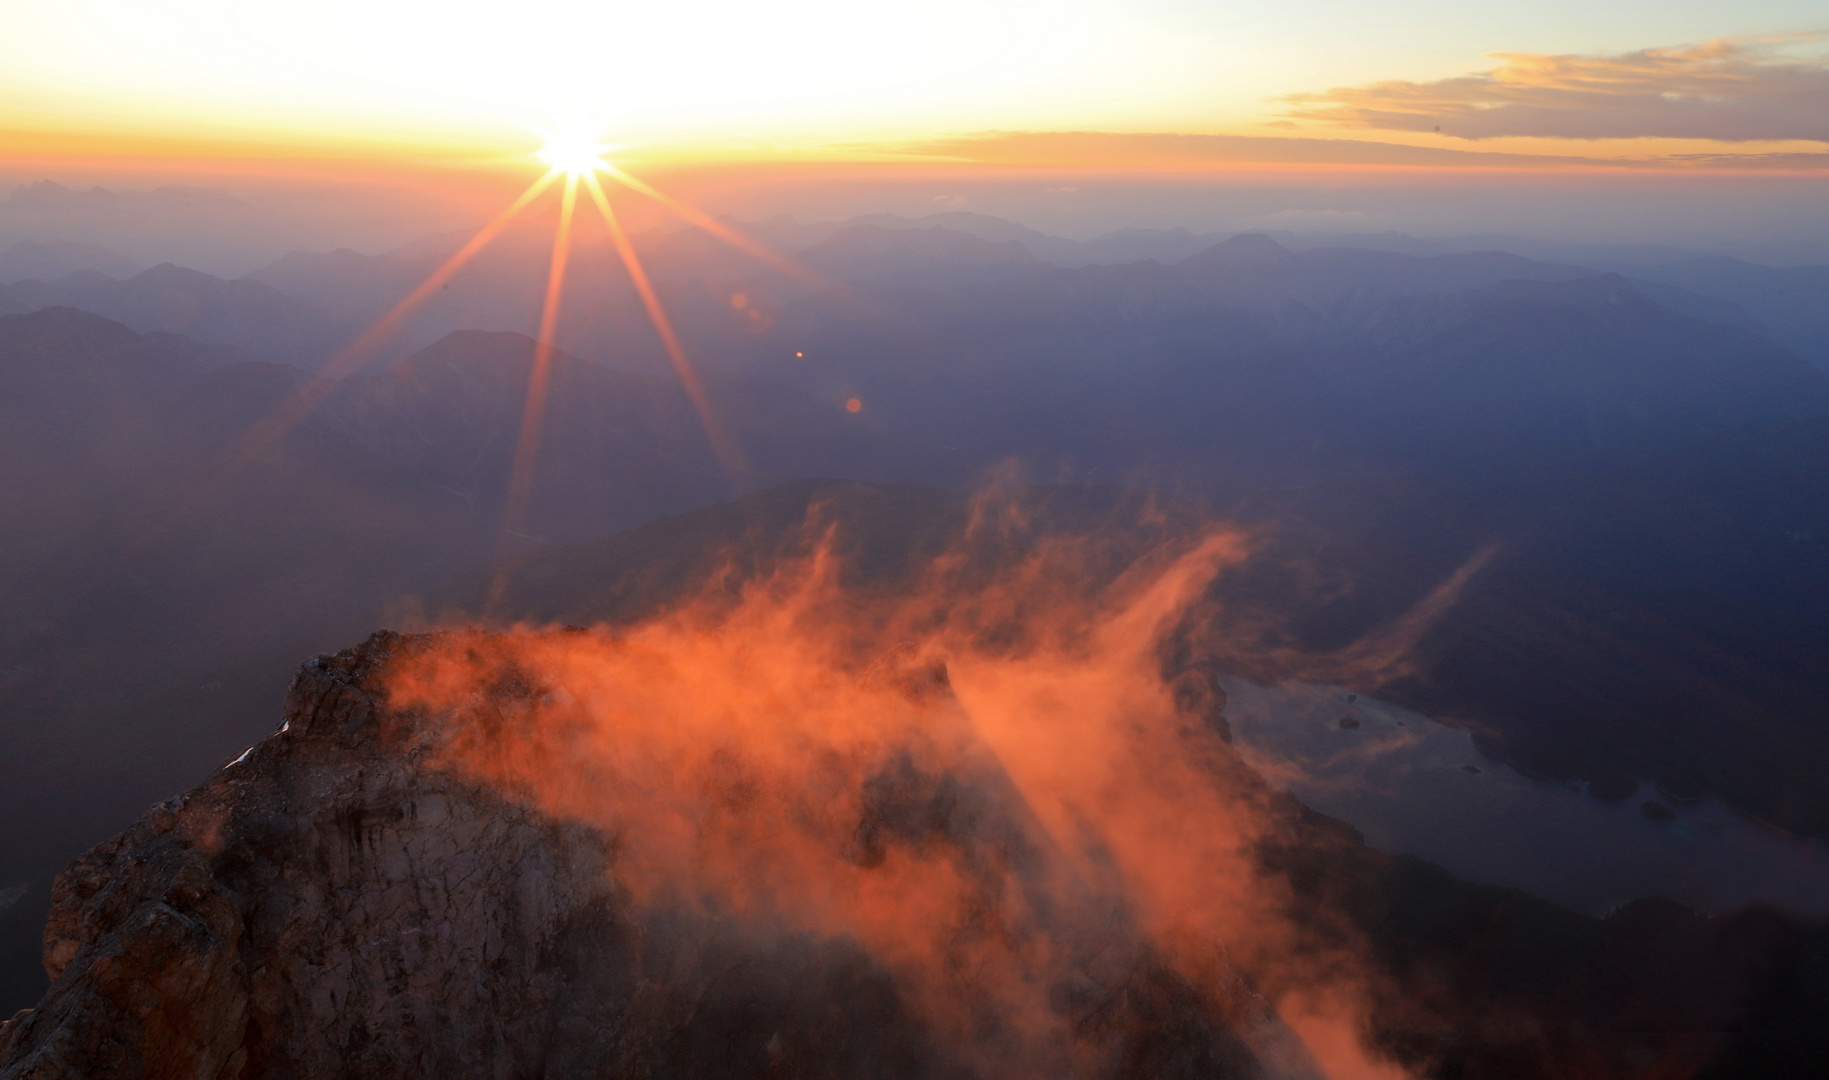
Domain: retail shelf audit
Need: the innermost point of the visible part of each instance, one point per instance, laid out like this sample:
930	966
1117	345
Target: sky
369	123
1673	83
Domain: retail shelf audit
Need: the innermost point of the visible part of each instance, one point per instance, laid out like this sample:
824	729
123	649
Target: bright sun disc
573	154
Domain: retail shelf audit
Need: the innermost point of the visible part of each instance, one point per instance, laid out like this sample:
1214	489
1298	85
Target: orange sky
249	86
370	122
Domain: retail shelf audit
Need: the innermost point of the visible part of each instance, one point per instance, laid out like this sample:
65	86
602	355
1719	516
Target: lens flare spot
853	405
739	300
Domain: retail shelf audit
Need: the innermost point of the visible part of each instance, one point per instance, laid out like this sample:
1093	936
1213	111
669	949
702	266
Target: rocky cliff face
334	904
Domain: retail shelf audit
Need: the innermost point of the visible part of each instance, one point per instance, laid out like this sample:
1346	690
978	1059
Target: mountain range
699	276
1627	475
347	893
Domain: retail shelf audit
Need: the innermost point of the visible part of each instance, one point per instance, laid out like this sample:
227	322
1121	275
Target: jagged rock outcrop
336	904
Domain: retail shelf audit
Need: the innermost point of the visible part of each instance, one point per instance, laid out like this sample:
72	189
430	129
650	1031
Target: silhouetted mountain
1561	368
616	448
1343	294
503	288
1570	670
1052	249
53	259
165	553
783	232
352	288
1173	245
1339	298
880	537
343	866
703	282
582	975
1568	677
1135	245
914	257
726	303
1311	361
158	557
1653	617
1625	258
1792	301
220	232
196	226
1648	470
240	314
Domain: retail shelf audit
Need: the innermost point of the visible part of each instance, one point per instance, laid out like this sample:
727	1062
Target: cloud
1734	90
1168	151
1144	150
991	780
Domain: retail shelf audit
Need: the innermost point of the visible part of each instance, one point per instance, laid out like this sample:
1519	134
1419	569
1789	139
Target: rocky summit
335	903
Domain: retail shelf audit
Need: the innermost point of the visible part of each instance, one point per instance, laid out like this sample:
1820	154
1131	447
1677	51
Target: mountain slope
165	557
1569	676
355	895
242	314
156	580
616	448
334	903
1793	301
50	260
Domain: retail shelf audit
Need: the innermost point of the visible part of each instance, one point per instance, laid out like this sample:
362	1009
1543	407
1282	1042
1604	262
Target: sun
574	153
575	158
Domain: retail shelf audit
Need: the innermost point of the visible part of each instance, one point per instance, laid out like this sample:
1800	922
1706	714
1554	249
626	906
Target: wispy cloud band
1166	151
1735	90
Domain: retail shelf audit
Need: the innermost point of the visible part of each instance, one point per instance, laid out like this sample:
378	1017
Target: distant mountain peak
866	251
504	341
172	273
496	351
1244	250
195	917
50	260
51	189
40	190
67	320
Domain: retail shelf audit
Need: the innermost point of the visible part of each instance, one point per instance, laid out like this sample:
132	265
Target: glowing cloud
1735	90
989	787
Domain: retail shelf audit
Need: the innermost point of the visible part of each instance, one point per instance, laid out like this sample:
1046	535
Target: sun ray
304	399
533	411
788	265
300	404
721	443
576	164
353	356
730	236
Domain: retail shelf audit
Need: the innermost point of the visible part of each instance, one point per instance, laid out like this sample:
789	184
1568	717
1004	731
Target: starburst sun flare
574	160
573	152
575	164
